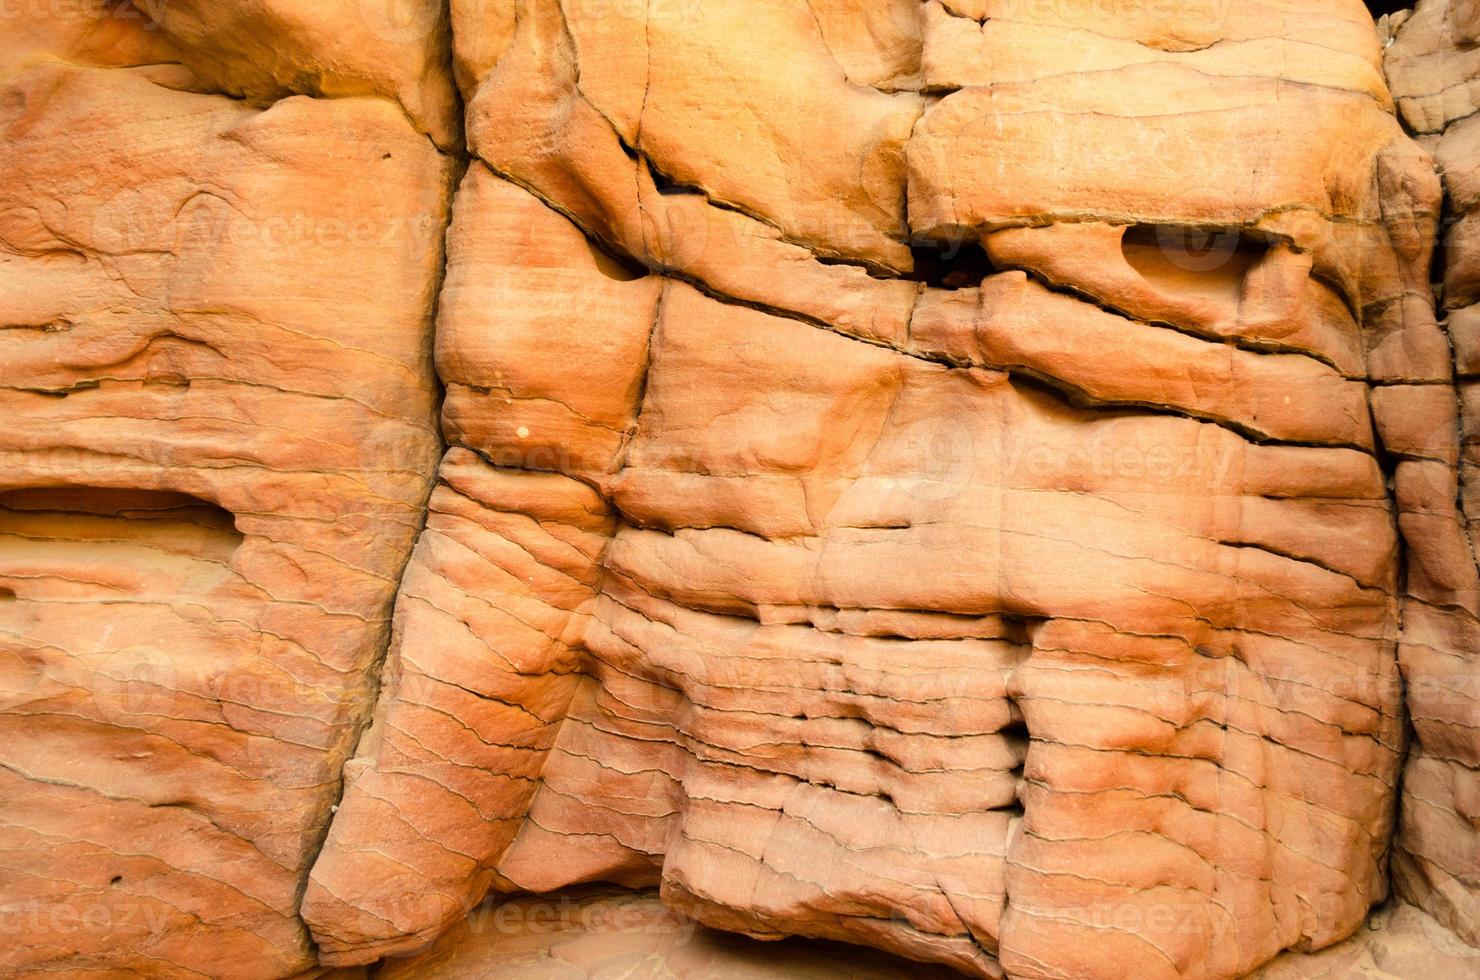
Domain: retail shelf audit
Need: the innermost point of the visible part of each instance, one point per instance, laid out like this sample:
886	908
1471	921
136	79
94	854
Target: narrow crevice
1304	560
1079	398
963	264
380	663
642	386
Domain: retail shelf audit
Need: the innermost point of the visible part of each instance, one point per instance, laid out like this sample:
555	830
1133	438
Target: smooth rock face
967	479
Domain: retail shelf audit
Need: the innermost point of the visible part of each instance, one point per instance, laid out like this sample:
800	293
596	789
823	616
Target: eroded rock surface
220	424
1026	599
1434	66
967	479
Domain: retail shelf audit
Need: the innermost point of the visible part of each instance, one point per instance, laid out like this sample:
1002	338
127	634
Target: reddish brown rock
1435	75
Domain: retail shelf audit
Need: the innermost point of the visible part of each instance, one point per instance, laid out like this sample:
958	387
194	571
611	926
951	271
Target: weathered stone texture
1434	69
1046	622
216	342
983	482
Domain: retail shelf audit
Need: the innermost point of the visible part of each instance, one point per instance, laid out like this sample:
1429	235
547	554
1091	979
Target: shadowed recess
174	522
950	264
1210	263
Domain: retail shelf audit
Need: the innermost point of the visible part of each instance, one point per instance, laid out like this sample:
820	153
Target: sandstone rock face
970	479
1036	616
215	326
1433	67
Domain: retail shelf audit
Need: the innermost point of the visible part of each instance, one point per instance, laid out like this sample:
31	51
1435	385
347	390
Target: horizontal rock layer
982	481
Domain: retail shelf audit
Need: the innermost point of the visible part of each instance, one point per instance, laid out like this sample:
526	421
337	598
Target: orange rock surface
992	484
1435	75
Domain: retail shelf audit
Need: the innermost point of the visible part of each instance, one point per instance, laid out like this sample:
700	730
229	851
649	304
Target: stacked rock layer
960	478
1434	66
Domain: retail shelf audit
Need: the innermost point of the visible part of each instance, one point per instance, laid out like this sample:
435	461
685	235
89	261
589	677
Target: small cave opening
950	263
1210	263
1016	734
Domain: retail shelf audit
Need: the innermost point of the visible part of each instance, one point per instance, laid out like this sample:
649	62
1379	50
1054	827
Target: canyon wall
989	483
1433	65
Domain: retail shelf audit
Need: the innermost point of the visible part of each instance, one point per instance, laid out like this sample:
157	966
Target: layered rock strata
1434	67
963	529
215	331
967	478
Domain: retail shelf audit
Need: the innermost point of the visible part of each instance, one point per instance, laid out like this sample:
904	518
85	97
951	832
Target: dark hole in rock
950	263
620	268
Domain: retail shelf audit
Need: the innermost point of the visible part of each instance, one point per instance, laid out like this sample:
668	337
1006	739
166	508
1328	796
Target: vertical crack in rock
222	424
379	665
